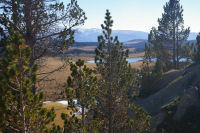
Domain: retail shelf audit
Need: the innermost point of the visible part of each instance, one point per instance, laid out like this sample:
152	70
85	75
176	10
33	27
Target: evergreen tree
38	22
141	121
187	51
151	74
82	86
159	51
162	55
146	71
46	25
21	110
116	77
197	50
171	33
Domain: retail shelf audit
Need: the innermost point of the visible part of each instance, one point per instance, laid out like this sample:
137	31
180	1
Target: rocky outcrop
177	87
156	120
178	107
190	97
183	87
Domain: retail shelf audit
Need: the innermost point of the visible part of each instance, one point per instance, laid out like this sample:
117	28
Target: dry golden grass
86	48
54	88
88	57
53	85
85	57
59	109
136	65
136	55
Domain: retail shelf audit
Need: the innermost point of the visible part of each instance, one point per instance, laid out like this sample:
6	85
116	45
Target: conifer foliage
197	50
170	34
81	87
38	21
21	110
116	78
146	71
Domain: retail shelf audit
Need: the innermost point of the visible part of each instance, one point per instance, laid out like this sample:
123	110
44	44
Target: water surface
129	60
133	60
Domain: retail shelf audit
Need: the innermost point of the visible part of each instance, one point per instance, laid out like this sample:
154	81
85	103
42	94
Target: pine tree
82	86
162	56
187	51
20	110
141	121
146	71
38	22
159	51
115	78
171	33
197	50
46	25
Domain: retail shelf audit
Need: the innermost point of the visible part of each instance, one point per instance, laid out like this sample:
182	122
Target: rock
190	97
156	120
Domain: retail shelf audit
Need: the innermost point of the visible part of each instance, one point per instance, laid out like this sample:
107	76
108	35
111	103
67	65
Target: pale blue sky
138	15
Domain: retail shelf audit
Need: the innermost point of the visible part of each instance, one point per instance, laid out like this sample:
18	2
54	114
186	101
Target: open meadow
53	85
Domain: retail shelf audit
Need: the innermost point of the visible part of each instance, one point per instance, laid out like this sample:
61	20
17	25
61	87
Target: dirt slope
173	85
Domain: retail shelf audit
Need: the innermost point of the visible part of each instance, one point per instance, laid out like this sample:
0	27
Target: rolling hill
134	46
90	35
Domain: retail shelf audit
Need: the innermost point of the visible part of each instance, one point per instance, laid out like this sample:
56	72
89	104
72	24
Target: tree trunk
29	28
174	45
83	115
15	15
28	35
110	116
177	48
22	113
23	121
177	55
110	87
110	125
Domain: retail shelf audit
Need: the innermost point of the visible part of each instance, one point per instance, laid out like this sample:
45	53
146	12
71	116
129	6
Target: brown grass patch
53	85
136	65
136	55
59	109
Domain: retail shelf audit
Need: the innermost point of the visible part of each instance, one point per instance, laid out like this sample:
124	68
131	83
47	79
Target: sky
139	15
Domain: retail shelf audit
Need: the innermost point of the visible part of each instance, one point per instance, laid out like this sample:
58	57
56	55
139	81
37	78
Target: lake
130	60
133	60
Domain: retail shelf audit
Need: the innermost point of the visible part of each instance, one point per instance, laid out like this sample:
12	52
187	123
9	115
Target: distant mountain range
90	35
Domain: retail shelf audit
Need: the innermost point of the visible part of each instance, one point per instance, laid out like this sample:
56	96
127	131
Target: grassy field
53	84
59	109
